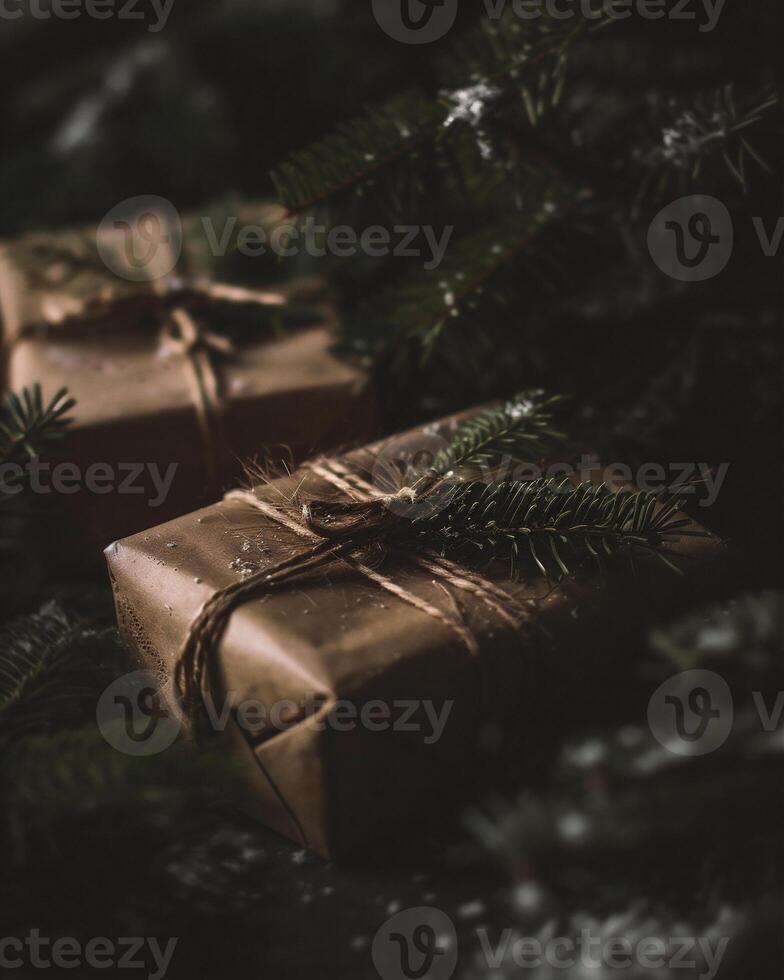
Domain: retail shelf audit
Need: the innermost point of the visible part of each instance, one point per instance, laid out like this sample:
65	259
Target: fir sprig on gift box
523	428
552	524
557	525
438	509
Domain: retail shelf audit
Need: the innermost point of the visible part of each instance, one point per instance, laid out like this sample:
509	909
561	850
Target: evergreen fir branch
53	668
28	424
520	430
425	307
505	64
555	524
74	782
496	66
28	428
424	304
500	48
711	127
357	151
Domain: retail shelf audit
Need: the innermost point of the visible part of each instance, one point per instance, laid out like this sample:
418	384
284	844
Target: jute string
182	335
175	304
366	513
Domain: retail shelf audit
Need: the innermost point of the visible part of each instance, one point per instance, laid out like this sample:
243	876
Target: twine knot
181	334
405	495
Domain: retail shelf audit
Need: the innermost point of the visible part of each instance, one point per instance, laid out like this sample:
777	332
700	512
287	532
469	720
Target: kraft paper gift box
352	636
179	378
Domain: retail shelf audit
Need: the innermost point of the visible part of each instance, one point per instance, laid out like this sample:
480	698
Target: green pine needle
353	154
520	430
27	424
72	784
53	667
468	287
520	66
709	126
555	524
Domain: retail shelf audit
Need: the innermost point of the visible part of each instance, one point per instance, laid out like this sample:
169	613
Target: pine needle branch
495	67
520	430
28	425
53	667
423	304
357	151
711	127
57	786
555	524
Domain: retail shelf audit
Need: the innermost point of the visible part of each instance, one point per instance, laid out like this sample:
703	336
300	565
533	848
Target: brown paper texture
338	636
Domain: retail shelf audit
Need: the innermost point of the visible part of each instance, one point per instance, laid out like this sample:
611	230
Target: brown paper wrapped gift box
136	402
340	636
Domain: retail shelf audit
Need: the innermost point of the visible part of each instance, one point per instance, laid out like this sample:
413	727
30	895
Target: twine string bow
177	305
339	531
183	334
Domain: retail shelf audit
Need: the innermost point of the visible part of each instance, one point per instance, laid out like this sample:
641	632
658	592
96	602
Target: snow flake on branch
688	137
470	105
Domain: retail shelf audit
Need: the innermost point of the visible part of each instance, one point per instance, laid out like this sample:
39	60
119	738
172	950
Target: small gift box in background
362	662
178	375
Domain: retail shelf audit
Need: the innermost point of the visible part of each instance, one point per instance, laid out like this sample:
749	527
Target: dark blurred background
97	111
94	112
